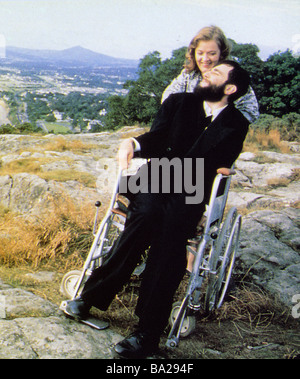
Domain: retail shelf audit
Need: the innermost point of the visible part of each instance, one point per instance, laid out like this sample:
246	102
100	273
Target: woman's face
207	55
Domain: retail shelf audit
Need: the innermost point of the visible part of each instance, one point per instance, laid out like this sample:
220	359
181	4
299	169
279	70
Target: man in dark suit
164	221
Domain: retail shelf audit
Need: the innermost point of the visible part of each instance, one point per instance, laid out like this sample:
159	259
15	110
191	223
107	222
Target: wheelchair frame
108	231
214	261
213	264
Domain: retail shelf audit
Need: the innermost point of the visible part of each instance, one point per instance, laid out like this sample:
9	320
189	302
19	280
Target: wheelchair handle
226	171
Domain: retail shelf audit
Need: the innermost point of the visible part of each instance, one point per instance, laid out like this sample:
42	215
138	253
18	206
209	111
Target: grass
34	166
57	127
57	144
60	241
62	144
58	234
251	304
31	166
278	182
60	238
257	140
57	240
65	175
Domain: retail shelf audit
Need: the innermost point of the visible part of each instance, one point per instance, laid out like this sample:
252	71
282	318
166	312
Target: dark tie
207	121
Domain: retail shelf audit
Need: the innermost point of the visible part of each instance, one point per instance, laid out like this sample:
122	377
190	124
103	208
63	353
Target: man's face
213	84
216	76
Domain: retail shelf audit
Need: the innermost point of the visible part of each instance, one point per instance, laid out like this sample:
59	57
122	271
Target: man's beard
211	93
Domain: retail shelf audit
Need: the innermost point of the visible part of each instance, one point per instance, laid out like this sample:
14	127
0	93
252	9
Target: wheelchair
213	250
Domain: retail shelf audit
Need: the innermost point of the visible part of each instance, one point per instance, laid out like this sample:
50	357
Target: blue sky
132	28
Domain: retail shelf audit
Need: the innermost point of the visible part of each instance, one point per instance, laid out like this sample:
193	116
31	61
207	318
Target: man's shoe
137	345
77	309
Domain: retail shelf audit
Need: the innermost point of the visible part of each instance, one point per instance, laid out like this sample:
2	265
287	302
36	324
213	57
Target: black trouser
164	222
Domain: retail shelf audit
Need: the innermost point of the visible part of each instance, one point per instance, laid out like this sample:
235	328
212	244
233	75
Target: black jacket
178	131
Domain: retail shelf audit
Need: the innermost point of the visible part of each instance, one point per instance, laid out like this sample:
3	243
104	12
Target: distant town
60	96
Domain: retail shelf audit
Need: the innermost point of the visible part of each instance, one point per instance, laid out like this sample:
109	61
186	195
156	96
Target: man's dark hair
239	77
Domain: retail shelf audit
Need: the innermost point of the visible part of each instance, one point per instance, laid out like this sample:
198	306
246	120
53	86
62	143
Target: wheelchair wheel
189	322
69	282
228	262
221	262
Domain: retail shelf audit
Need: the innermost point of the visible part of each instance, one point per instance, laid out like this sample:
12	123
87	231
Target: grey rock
13	344
57	338
269	252
19	302
260	174
41	276
34	328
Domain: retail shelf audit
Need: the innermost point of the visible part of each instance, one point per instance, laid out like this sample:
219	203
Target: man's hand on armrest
125	153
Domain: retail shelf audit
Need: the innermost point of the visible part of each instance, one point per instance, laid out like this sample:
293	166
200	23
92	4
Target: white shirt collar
214	113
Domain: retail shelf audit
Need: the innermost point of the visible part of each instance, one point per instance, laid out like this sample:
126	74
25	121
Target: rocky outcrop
34	328
29	194
256	184
265	189
270	185
269	253
94	155
270	239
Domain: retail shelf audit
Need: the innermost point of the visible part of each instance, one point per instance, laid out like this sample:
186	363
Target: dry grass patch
258	140
84	178
34	166
62	144
253	306
57	240
278	182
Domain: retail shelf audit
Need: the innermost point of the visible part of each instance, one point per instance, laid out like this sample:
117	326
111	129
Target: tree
247	57
143	99
7	129
50	118
116	115
281	93
275	83
26	127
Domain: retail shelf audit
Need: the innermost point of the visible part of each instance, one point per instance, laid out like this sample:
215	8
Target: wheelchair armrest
226	171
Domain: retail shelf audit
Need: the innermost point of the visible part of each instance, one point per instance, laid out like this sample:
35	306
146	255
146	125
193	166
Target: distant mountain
75	56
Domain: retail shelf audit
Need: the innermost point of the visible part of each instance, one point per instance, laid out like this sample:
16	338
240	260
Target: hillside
59	91
75	56
77	170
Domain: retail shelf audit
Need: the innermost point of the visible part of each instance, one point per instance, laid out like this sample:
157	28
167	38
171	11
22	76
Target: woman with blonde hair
205	51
